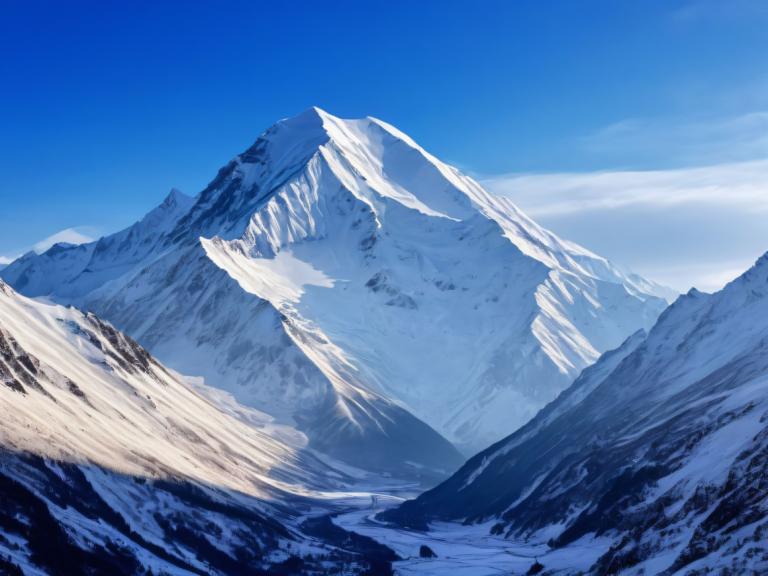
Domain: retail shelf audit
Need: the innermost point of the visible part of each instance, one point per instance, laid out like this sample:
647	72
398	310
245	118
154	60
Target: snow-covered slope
77	389
110	464
661	447
340	277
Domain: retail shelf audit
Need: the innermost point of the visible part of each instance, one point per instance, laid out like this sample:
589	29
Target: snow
659	447
439	243
336	258
134	422
281	279
338	271
467	550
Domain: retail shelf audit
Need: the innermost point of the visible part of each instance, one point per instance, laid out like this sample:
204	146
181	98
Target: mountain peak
311	117
324	219
754	281
315	126
761	263
176	198
309	126
287	143
317	111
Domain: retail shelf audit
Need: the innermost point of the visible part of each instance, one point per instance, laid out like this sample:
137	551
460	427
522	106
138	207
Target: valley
344	356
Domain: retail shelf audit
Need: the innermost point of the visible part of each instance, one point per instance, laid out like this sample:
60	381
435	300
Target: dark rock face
53	518
17	367
426	552
536	568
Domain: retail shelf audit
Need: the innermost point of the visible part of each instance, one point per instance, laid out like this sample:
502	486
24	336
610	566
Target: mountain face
661	447
341	278
110	464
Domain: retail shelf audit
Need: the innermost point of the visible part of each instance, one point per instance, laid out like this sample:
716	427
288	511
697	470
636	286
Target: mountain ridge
112	464
659	448
393	281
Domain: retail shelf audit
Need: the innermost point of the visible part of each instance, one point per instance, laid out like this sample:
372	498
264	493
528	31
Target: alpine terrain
657	455
111	464
340	278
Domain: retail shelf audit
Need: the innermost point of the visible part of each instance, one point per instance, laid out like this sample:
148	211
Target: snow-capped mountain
338	276
110	464
659	450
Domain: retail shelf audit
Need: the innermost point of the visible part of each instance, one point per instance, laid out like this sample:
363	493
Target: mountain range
660	449
227	385
110	463
342	279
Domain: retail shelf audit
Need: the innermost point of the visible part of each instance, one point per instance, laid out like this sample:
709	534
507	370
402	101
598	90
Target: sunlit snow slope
340	277
110	464
661	447
77	389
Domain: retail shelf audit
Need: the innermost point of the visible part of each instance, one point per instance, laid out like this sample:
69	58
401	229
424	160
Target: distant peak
60	247
756	276
762	261
176	199
175	196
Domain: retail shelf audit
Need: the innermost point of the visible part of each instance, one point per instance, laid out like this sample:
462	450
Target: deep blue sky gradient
106	105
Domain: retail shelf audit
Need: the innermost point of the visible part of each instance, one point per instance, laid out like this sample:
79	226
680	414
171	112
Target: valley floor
461	550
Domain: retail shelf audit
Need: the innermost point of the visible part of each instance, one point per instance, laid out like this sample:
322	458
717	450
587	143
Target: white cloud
743	184
5	260
77	235
684	227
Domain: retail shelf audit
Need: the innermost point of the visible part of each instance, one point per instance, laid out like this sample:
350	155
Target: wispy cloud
683	227
743	184
693	11
668	142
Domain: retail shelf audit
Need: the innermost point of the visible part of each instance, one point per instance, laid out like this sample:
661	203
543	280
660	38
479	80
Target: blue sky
107	105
